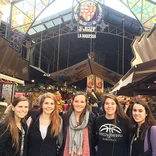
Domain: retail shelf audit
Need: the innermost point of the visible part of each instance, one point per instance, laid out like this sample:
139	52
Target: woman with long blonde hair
45	128
13	129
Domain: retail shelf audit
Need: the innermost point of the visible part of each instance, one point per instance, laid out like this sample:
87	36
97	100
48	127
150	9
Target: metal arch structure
68	27
144	11
111	30
36	7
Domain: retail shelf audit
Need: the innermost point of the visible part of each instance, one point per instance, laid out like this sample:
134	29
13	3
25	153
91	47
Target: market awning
83	69
11	79
135	81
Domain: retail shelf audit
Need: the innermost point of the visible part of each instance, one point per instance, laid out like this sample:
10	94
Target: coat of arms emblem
88	10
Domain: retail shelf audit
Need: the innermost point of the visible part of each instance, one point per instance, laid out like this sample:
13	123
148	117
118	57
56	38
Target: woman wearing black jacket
13	129
44	135
76	121
112	129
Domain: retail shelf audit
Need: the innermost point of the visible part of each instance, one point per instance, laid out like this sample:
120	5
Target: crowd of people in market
120	126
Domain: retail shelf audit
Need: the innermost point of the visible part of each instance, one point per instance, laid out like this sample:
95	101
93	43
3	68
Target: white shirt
43	130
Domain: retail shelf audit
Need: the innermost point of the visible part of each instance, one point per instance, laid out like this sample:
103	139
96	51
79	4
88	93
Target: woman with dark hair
13	129
79	126
141	119
45	128
112	129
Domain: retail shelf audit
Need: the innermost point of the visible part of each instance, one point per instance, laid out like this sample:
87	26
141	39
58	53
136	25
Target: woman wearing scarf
79	126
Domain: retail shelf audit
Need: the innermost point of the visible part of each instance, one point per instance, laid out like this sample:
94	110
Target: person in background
33	110
13	129
141	119
112	129
45	130
79	128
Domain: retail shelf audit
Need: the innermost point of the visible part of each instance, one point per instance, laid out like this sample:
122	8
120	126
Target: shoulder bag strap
149	140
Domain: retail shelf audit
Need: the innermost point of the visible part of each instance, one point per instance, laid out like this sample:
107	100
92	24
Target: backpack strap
148	139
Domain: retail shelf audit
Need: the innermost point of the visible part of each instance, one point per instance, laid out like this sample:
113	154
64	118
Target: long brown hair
54	117
10	118
119	110
71	108
149	120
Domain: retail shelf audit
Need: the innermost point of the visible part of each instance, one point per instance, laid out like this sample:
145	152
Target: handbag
149	151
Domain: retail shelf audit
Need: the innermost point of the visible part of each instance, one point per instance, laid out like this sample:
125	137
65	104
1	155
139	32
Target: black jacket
6	148
91	131
36	145
112	140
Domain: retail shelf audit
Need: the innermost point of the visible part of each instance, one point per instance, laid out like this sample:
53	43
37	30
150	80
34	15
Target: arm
4	135
60	136
153	140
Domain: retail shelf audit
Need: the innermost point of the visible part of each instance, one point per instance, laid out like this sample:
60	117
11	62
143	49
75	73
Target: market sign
87	13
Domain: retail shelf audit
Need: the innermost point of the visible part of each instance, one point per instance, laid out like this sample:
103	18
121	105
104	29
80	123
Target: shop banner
90	83
99	85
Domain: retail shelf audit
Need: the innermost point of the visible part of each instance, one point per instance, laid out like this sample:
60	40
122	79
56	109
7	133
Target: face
48	106
21	109
110	107
79	103
139	113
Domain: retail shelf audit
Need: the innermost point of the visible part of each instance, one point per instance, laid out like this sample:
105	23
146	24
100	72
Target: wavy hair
71	108
119	110
149	120
10	119
54	117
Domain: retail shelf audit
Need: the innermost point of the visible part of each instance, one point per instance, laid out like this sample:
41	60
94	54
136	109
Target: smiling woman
141	120
112	129
45	130
79	128
13	129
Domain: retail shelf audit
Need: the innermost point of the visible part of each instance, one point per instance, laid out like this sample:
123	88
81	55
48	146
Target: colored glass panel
24	13
144	10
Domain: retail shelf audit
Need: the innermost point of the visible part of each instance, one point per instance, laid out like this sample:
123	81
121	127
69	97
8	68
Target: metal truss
66	30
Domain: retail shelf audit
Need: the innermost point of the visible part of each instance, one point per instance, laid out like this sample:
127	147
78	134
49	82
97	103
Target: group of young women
78	132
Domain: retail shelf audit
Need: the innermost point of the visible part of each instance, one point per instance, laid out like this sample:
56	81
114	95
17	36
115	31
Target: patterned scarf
76	134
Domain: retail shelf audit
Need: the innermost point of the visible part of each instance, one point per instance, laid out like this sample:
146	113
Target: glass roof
56	11
32	16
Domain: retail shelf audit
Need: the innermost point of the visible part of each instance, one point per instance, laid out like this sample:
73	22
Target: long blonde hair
54	117
10	118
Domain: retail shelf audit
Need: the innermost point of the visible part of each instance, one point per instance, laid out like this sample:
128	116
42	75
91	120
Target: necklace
137	134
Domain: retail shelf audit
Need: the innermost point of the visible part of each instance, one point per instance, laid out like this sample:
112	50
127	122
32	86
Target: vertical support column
123	47
0	14
28	45
1	7
48	68
40	54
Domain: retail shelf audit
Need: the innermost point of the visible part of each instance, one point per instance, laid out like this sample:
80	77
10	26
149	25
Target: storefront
7	86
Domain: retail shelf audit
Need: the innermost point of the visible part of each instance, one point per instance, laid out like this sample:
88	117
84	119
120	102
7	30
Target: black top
137	142
6	148
111	140
38	146
137	147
